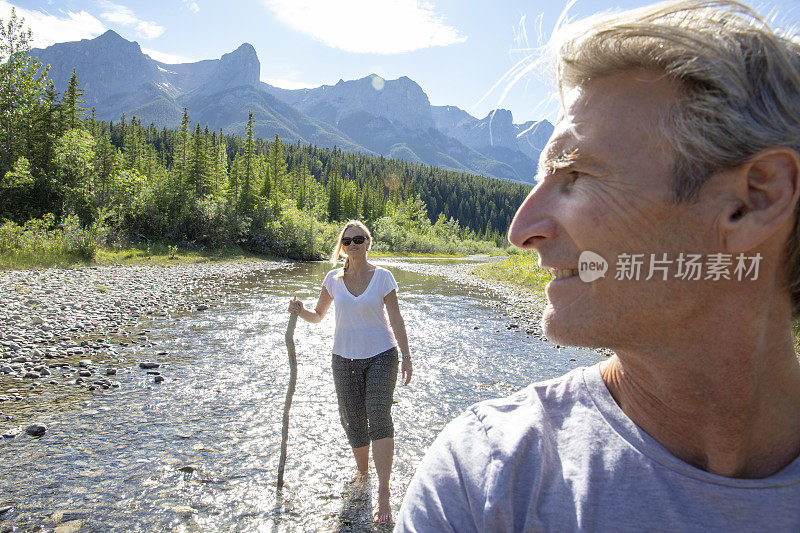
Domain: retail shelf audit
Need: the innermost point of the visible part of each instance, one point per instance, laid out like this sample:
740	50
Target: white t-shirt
362	327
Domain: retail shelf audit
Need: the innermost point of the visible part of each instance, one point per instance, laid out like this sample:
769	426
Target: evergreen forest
68	180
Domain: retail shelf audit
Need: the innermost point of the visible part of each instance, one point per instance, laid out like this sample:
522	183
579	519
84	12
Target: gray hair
739	84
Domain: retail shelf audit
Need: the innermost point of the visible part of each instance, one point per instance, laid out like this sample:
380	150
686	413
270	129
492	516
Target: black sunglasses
358	239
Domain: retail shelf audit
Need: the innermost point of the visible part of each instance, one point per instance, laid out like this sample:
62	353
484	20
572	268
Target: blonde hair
738	79
338	249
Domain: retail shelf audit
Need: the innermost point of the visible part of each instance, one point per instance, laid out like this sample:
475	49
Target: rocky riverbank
67	329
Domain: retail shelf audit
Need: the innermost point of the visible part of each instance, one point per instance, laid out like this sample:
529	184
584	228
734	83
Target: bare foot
383	514
361	480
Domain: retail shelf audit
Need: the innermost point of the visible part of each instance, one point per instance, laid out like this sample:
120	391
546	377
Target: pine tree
334	189
277	167
198	176
105	158
71	103
221	165
181	154
250	170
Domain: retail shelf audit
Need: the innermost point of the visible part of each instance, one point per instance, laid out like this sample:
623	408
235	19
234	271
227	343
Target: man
676	159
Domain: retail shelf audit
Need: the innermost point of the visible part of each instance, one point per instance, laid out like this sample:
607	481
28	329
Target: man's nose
532	223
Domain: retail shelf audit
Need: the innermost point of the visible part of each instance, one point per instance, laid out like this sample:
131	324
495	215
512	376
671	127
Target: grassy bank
166	255
41	243
520	270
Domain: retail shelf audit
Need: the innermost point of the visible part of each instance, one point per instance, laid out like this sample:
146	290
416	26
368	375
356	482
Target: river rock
147	365
36	430
111	371
68	515
73	526
12	433
158	379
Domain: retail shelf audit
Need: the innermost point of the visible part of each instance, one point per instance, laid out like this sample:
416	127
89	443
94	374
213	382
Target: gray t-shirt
562	456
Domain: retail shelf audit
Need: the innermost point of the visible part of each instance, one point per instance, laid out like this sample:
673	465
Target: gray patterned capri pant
364	388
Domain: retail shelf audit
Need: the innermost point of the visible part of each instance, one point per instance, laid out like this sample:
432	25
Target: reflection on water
200	451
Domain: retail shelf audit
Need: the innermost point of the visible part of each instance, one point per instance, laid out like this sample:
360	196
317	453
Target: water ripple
200	451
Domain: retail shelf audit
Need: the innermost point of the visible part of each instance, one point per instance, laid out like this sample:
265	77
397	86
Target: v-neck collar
365	290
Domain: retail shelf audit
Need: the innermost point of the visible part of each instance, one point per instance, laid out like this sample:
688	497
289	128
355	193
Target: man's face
604	186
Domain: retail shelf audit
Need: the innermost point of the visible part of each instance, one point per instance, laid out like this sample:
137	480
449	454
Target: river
199	452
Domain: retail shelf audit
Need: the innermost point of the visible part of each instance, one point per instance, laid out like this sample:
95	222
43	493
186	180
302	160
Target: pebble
148	365
36	430
68	515
158	379
12	433
73	526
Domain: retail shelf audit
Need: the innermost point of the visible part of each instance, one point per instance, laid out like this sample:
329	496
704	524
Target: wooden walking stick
289	393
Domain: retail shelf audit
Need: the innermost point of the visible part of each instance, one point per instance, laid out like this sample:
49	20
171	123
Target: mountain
117	77
393	118
497	137
370	115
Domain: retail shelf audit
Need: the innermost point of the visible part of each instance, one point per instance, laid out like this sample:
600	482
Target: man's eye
569	180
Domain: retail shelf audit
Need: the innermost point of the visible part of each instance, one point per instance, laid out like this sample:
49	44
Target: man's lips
561	273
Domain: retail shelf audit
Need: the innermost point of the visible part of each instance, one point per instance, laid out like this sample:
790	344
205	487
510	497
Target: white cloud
117	14
123	15
50	29
191	5
149	30
170	59
368	26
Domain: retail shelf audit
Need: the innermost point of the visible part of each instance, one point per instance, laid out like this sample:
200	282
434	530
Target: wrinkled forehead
612	120
354	231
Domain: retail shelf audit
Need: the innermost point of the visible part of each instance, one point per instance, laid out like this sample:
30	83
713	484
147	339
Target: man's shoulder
488	462
533	413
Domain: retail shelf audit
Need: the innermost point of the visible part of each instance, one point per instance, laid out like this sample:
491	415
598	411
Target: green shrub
39	243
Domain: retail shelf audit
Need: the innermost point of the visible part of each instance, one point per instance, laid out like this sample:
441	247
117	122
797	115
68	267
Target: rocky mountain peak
110	36
237	68
500	118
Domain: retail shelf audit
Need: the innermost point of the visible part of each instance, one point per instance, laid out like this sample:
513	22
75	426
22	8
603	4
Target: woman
364	353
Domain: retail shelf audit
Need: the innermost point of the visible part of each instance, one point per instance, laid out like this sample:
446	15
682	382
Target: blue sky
457	50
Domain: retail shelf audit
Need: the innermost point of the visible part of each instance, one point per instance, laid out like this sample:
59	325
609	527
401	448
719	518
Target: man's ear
766	190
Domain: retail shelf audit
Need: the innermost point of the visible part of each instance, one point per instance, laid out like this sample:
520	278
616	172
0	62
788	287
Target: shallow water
114	458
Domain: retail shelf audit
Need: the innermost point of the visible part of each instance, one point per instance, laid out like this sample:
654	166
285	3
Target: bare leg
383	454
362	463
